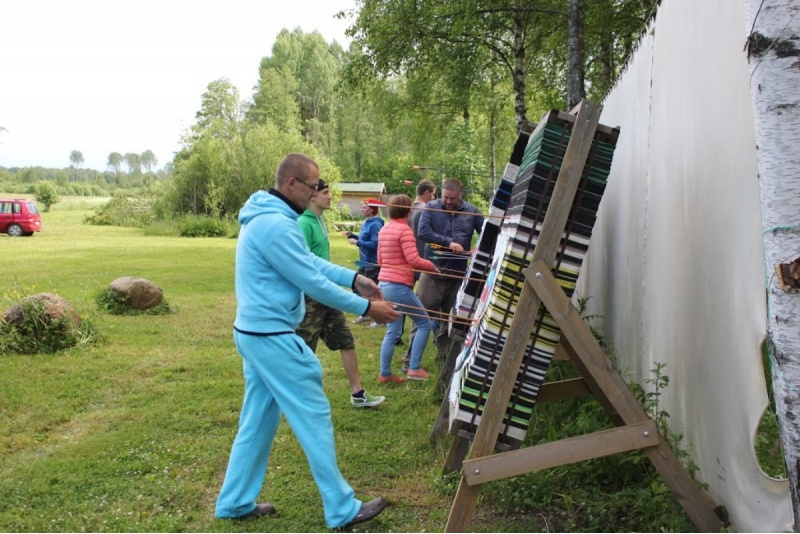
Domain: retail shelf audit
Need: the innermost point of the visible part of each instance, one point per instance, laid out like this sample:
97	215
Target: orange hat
375	203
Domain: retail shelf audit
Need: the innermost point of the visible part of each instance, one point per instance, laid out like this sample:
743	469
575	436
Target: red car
19	217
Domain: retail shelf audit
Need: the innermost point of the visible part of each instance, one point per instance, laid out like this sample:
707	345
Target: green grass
133	433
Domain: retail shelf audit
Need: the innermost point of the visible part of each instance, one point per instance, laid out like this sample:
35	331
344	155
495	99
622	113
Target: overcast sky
127	75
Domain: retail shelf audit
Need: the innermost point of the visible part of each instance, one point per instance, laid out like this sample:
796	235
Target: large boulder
53	307
137	293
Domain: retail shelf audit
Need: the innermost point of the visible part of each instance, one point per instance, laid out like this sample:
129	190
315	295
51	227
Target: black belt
262	334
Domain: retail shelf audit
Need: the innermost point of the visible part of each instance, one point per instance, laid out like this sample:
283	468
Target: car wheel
14	230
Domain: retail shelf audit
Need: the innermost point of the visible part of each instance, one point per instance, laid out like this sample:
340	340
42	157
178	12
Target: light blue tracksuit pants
282	375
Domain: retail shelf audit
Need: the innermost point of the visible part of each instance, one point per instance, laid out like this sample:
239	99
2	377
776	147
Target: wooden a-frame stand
635	429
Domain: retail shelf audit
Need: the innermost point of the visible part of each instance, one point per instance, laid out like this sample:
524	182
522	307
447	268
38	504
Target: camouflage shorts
326	323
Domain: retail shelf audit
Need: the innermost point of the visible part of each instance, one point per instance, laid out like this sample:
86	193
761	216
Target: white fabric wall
675	264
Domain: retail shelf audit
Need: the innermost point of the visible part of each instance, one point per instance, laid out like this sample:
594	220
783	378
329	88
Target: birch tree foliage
774	59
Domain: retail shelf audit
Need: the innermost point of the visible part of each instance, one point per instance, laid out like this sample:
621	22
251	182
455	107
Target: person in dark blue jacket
282	376
447	226
367	243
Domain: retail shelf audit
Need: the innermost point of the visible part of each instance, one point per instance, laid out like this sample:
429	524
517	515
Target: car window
17	208
32	208
5	207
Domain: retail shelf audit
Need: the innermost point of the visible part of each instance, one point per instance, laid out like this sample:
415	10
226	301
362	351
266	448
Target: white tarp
675	265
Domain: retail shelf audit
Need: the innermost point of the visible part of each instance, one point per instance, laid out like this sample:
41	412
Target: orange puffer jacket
397	253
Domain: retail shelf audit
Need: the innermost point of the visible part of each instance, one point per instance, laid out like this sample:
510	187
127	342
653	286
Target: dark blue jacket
443	228
368	240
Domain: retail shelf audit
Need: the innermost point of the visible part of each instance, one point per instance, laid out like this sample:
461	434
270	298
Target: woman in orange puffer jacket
398	258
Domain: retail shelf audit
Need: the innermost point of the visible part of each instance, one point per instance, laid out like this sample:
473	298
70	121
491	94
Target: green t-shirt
316	235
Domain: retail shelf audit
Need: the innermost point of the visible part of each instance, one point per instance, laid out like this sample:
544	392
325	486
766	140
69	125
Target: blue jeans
407	302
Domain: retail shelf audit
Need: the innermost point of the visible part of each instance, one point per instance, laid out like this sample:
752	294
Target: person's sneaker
260	510
390	379
362	319
367	401
418	374
368	511
376	325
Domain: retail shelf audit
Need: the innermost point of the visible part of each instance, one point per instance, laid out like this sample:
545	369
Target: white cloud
127	75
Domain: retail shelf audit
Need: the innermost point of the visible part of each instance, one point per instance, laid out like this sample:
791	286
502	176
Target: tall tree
115	162
133	162
314	65
773	54
576	90
220	113
148	160
76	157
275	99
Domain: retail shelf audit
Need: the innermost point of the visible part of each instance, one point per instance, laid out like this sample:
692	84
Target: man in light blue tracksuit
274	269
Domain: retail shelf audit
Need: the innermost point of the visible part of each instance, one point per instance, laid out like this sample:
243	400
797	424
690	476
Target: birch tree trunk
774	58
520	109
575	41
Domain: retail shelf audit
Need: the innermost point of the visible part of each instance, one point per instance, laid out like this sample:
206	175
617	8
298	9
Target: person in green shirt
323	321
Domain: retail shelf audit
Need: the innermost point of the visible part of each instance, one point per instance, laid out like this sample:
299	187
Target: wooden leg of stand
463	507
440	426
458	451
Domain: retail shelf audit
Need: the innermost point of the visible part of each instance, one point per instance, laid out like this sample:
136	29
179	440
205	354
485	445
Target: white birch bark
773	48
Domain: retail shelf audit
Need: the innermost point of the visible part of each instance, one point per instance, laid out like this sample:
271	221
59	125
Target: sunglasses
312	187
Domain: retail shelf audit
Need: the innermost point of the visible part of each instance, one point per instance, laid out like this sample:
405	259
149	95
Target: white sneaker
376	325
362	319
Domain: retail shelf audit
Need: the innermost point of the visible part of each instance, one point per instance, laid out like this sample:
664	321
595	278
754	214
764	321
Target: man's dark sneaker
261	509
368	511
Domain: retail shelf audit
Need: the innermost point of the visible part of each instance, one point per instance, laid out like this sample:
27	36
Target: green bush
46	194
122	210
112	303
199	226
40	333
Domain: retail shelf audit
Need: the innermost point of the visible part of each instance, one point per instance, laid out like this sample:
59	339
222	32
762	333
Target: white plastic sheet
675	264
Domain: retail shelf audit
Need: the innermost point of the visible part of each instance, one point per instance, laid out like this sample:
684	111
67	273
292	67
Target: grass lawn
133	433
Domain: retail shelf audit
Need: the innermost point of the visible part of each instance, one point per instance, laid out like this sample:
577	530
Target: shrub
46	194
198	226
38	332
112	303
122	210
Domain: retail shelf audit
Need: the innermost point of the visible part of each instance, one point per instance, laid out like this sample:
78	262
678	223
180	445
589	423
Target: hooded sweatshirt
274	268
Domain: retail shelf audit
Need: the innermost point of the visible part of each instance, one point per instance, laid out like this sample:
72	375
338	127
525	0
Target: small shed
353	194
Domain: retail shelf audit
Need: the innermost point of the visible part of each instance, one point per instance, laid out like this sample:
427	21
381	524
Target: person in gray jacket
447	226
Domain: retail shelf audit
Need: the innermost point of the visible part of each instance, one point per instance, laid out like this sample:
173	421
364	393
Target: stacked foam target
495	308
474	283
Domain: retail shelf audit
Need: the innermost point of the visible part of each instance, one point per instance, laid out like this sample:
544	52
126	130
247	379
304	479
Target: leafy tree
115	162
314	65
148	160
46	194
275	99
220	112
76	157
134	163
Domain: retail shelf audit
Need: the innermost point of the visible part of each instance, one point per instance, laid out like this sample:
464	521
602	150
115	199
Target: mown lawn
133	433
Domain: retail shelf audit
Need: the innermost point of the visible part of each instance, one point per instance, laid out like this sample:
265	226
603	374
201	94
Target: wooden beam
563	389
527	307
561	452
455	457
606	382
